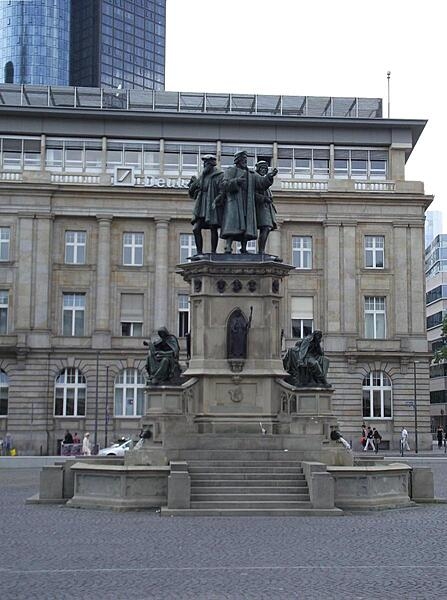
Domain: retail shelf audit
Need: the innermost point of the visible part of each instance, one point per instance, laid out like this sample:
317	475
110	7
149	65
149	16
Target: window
302	316
302	252
377	396
75	247
187	246
375	322
5	239
435	320
4	390
9	71
133	249
360	164
4	298
70	393
73	314
129	393
132	315
183	315
374	251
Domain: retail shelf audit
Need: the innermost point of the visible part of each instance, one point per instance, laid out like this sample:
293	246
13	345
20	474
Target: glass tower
90	43
118	43
35	41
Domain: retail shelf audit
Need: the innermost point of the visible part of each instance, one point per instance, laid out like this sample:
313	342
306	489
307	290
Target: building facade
433	225
436	300
95	217
92	43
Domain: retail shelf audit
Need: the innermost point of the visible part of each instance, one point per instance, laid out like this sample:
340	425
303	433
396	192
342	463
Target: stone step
250	512
240	489
247	484
240	499
251	504
249	476
239	469
246	463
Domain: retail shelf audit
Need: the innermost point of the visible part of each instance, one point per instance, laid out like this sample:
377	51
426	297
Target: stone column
161	272
400	270
348	277
24	300
332	276
102	317
274	242
42	277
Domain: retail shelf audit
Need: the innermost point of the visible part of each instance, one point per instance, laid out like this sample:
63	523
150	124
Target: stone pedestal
236	392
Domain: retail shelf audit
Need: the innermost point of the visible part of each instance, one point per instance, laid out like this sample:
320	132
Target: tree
441	353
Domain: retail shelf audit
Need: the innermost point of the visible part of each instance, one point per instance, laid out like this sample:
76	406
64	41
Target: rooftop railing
188	102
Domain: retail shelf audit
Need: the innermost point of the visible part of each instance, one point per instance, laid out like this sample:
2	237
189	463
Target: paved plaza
57	552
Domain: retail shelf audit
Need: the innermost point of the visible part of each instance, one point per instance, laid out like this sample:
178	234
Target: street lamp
415	408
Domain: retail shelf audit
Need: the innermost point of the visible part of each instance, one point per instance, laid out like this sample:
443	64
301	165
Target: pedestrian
404	438
377	439
8	444
336	436
369	440
440	435
76	439
68	439
86	447
363	436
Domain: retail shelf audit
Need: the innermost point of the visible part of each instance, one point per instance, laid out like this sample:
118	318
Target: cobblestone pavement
54	552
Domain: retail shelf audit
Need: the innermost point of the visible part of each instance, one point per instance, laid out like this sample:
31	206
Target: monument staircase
259	483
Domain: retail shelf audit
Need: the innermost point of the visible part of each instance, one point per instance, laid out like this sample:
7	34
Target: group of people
370	438
7	446
236	201
86	449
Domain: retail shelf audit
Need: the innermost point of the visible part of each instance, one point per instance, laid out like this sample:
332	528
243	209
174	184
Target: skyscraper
118	43
90	43
35	41
433	225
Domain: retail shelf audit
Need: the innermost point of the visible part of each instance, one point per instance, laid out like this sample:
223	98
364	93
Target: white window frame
302	254
131	384
4	392
135	328
78	245
377	383
69	380
133	241
374	251
187	246
77	304
374	311
5	243
304	318
4	309
183	306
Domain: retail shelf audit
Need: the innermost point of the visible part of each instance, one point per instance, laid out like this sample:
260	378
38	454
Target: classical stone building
95	217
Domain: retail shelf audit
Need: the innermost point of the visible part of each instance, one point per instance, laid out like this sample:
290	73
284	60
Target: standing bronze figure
265	209
239	215
206	214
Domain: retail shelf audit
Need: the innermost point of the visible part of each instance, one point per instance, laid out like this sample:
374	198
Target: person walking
363	436
8	444
377	439
369	440
68	438
404	438
440	436
86	446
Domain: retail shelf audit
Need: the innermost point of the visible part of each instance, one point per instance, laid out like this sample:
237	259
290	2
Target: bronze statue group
236	202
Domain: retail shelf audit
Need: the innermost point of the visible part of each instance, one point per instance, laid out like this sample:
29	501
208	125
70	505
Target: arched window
4	389
377	396
9	72
69	393
129	393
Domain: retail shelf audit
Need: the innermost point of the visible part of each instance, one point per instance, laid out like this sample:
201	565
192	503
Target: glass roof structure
188	102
